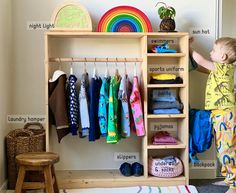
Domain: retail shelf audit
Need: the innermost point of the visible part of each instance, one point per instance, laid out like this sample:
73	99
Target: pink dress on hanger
136	107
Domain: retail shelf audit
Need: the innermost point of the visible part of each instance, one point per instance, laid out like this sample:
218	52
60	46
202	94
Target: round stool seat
37	158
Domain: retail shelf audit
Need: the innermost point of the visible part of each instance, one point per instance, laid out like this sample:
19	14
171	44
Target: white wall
28	51
229	18
6	78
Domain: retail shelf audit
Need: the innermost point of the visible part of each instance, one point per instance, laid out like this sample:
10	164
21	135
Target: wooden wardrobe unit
113	178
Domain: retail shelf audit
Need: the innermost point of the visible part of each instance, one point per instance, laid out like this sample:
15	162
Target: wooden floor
109	178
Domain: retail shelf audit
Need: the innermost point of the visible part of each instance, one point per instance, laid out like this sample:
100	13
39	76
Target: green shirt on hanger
113	110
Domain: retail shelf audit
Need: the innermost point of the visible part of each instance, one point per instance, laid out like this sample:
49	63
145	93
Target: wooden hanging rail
95	59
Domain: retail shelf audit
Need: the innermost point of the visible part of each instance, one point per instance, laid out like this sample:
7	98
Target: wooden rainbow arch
124	19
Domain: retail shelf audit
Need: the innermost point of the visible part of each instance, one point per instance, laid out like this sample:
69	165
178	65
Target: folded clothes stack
163	48
163	138
164	101
165	79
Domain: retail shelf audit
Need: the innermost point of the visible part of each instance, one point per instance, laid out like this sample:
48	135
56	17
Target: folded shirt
162	138
163	76
164	92
164	99
166	105
166	111
178	80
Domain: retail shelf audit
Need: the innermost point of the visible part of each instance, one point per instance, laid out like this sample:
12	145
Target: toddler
219	98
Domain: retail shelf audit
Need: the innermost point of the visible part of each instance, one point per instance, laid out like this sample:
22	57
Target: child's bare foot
231	190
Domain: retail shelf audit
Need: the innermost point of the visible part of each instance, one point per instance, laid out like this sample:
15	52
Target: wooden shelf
166	85
72	34
152	116
77	34
179	178
167	34
166	55
55	52
179	145
109	178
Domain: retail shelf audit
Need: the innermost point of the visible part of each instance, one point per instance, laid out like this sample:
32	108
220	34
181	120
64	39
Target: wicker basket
17	142
28	139
37	141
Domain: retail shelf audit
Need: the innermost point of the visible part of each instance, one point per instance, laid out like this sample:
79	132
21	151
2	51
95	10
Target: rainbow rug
136	189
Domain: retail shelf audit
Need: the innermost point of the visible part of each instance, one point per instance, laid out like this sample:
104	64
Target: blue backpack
200	133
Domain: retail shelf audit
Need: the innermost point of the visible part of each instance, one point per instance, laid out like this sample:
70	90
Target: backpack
200	133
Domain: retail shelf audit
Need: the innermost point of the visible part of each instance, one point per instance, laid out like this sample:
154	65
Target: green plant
166	11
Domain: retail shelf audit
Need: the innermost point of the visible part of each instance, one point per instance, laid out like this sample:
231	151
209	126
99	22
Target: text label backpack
200	133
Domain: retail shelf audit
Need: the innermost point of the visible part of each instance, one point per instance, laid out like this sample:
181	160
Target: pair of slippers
136	169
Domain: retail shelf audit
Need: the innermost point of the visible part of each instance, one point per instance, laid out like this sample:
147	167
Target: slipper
163	48
137	169
125	169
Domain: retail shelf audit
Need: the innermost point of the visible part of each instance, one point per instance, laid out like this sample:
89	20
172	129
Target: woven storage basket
38	144
28	139
37	141
17	142
167	167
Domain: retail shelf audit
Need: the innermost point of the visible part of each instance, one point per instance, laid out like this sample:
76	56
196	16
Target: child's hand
190	42
191	39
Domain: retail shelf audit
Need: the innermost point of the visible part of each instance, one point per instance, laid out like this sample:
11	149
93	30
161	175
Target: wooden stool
37	161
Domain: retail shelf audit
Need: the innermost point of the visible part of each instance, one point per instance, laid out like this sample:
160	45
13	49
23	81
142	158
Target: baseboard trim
3	188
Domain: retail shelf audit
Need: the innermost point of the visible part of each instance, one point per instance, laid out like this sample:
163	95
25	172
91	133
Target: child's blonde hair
229	46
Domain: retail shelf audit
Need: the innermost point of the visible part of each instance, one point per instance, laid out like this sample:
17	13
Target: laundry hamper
28	139
37	141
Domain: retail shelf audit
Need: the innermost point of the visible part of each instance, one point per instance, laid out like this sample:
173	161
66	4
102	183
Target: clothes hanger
71	66
116	70
135	68
57	73
85	70
106	72
59	63
95	70
125	72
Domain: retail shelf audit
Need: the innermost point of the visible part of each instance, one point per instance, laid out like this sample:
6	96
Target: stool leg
20	179
48	179
55	185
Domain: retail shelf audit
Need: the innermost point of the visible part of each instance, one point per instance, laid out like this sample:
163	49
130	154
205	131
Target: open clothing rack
93	165
95	59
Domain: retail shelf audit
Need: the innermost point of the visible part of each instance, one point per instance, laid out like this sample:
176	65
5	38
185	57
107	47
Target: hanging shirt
94	131
136	105
73	105
103	106
113	110
131	118
83	101
220	87
123	97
